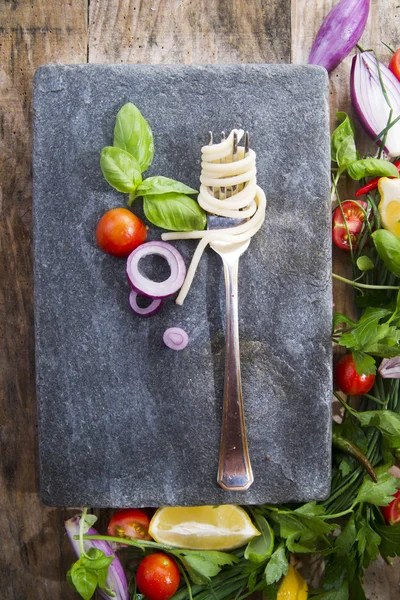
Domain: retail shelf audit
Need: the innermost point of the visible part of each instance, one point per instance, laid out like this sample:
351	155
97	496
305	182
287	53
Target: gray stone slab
123	420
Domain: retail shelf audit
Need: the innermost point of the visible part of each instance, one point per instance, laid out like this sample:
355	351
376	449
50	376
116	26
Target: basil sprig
167	203
344	153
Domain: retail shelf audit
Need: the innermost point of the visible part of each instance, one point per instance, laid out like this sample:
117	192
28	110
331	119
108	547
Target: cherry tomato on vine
392	511
158	576
354	217
349	381
119	232
130	523
394	64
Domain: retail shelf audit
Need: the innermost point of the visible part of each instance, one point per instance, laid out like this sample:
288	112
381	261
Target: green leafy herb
343	147
133	134
388	248
153	186
278	565
89	572
120	169
390	539
387	421
364	263
380	493
173	211
371	167
260	547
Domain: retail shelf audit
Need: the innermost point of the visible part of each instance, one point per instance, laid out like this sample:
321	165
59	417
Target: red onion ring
175	338
369	102
156	289
150	310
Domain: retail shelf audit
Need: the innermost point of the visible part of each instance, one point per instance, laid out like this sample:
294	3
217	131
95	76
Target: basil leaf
96	560
372	167
388	248
364	263
162	185
346	153
84	581
260	547
133	134
176	212
342	131
120	169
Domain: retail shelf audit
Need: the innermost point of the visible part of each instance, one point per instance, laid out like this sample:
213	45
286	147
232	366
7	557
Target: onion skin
369	102
116	579
339	33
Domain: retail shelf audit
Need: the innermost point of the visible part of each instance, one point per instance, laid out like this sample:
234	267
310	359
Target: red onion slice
150	310
369	102
175	338
156	289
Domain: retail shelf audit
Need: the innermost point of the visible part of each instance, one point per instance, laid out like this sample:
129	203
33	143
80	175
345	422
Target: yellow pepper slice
293	586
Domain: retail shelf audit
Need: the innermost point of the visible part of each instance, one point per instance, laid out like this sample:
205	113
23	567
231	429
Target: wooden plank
381	581
33	562
202	31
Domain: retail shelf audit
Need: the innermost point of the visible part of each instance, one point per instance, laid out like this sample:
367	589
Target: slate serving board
123	420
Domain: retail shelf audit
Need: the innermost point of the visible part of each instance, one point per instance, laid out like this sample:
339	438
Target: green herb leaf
368	543
347	538
133	134
364	363
201	565
387	245
278	565
341	594
176	212
83	580
260	547
339	318
387	421
356	589
154	186
346	154
380	493
372	167
364	263
120	169
365	331
342	139
390	539
95	559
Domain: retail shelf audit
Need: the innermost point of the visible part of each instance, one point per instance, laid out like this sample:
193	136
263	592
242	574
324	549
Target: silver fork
234	470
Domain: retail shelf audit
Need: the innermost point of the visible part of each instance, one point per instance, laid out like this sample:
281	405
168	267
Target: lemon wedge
202	527
389	206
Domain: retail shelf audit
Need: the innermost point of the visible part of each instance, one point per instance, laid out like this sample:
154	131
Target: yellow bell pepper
293	586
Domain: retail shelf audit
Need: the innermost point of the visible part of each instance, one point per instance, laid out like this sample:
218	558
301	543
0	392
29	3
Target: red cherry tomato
130	523
392	511
158	576
119	232
354	217
394	64
349	381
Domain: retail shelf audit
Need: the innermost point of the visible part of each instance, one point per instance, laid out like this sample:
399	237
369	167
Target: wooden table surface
35	553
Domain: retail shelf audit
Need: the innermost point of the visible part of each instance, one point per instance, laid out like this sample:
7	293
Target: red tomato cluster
349	381
157	576
119	232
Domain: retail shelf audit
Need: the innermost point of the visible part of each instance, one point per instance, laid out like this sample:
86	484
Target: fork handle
234	470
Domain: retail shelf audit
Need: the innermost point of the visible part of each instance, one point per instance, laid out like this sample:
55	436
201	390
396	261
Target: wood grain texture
32	557
35	553
188	31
